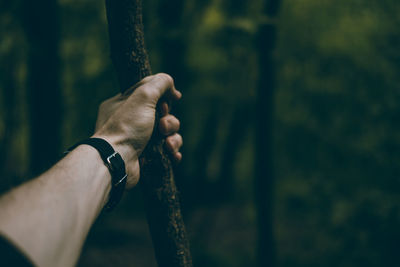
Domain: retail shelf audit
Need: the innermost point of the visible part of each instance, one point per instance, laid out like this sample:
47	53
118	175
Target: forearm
49	217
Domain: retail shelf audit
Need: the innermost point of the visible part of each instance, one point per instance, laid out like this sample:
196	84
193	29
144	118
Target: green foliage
336	138
336	104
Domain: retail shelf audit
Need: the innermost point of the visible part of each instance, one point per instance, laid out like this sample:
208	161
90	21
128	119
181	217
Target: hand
126	121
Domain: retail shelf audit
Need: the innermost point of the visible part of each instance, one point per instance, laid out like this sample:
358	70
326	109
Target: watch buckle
109	159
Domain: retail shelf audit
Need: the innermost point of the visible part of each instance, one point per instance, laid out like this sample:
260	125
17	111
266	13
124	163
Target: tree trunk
176	24
163	208
8	79
41	23
238	129
171	41
200	187
264	180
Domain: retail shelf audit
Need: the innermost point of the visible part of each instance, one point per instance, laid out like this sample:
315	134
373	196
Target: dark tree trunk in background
236	134
200	188
264	180
176	26
239	42
8	78
130	59
41	23
172	46
172	41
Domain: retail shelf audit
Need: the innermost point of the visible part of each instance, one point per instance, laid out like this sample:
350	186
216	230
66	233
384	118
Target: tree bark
264	179
130	59
41	23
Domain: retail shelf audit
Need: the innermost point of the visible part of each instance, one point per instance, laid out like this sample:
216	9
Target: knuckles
175	142
169	124
165	78
152	86
147	93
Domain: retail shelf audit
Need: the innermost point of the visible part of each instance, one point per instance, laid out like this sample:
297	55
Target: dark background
334	146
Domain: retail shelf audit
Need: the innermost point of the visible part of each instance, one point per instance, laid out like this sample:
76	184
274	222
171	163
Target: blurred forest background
330	111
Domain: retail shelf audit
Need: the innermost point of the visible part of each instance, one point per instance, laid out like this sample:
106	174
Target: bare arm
49	217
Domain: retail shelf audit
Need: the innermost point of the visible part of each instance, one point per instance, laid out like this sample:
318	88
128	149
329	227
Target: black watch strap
115	165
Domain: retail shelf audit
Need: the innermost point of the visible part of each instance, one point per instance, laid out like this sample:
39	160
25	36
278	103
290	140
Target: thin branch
164	215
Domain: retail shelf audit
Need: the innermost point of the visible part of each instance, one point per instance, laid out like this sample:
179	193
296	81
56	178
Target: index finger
155	86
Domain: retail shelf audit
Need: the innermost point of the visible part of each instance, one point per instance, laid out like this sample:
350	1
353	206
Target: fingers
169	125
178	156
173	143
153	87
164	108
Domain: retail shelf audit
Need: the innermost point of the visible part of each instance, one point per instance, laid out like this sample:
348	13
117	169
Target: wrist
99	176
128	154
126	151
115	164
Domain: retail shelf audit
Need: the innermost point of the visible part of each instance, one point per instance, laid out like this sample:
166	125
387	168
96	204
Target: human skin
49	217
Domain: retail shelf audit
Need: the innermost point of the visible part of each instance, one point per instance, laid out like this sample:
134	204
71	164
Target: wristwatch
115	164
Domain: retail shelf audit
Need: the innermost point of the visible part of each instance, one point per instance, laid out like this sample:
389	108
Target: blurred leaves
337	131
